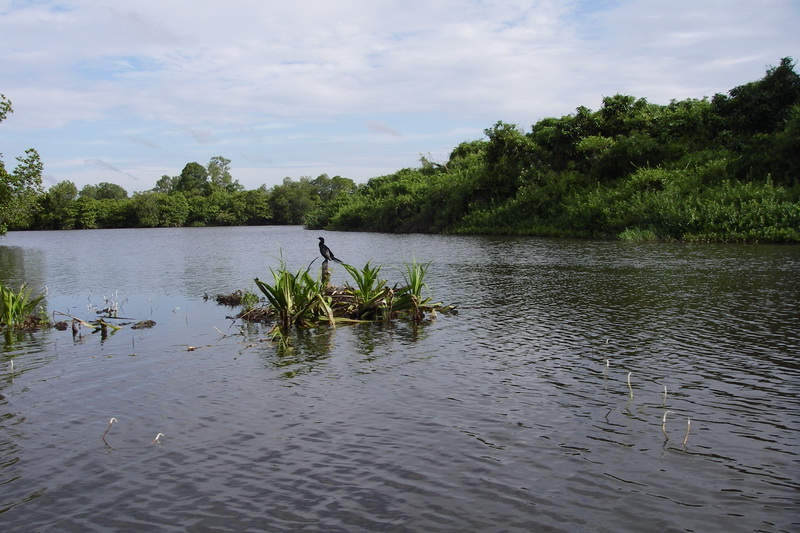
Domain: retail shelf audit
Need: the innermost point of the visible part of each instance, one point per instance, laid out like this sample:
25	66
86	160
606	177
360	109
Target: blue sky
128	91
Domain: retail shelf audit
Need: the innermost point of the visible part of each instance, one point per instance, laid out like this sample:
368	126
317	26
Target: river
540	406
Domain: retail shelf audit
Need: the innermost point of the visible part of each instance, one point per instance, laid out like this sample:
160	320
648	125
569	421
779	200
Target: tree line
199	196
721	169
725	169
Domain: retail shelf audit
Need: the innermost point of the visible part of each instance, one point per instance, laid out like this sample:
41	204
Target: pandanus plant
299	300
375	300
370	292
296	298
411	295
15	307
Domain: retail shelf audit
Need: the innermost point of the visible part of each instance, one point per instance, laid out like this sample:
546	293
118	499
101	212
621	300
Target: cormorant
326	252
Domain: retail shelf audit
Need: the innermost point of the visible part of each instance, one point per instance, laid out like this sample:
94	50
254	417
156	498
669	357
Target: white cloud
354	87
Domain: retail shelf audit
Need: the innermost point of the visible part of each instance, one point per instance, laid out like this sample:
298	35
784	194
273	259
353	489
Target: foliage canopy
720	169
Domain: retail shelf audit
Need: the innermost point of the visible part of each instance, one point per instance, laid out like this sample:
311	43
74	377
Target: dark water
514	415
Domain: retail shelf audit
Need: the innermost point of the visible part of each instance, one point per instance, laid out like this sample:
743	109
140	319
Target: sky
128	91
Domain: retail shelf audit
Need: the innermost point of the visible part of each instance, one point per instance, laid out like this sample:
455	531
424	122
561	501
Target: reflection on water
514	415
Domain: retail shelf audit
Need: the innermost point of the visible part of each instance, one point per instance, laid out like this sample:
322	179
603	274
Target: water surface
515	415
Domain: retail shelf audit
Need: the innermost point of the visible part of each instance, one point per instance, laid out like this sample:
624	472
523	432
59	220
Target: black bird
326	252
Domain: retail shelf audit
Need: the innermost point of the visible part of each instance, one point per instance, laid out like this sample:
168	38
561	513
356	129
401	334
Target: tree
19	189
332	194
255	205
87	211
219	171
58	206
145	208
156	209
291	201
329	188
104	191
166	184
786	151
755	121
193	180
5	107
510	154
760	106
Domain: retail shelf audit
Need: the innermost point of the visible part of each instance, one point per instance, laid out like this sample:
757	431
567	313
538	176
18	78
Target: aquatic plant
249	299
110	423
688	428
18	307
375	300
415	278
370	292
296	298
664	424
412	292
246	299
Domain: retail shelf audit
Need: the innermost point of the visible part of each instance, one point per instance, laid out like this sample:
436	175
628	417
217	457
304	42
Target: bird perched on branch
326	252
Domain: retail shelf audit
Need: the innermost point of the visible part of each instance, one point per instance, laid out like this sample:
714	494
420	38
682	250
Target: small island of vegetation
297	299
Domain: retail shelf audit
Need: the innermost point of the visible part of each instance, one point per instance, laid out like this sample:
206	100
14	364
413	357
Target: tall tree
104	191
760	106
290	201
219	172
193	180
58	206
166	184
18	189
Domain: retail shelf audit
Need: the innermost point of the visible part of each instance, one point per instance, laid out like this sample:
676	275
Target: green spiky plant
296	298
411	296
370	292
15	307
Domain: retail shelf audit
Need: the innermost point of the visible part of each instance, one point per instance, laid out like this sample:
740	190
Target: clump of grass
246	299
638	235
20	308
249	299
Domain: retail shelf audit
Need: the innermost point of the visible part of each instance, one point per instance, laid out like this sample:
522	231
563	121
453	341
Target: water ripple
515	415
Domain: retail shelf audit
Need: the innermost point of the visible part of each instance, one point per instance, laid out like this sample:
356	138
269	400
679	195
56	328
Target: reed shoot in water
664	424
688	427
110	423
